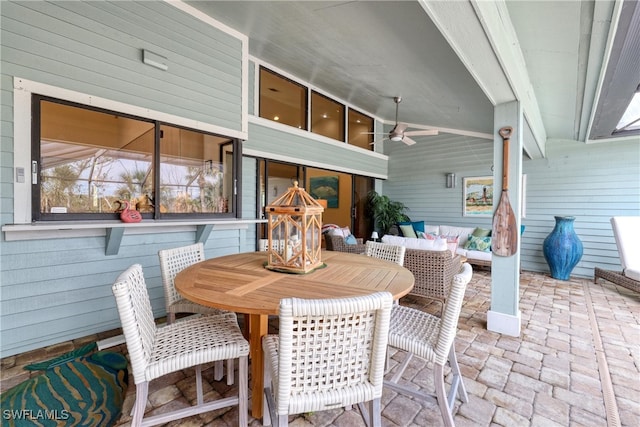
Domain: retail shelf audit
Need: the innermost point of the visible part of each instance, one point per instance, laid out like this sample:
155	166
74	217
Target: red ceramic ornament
130	215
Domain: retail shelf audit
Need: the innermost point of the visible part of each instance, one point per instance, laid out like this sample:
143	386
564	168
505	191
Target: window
282	100
90	161
360	130
327	117
630	120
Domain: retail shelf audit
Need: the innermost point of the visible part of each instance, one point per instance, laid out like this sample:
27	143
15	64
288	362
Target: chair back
136	317
393	253
173	261
451	313
331	351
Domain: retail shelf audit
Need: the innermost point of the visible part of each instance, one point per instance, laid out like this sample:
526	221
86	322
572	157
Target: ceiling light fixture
276	118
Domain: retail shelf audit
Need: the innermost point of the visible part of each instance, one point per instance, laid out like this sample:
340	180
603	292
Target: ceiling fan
399	132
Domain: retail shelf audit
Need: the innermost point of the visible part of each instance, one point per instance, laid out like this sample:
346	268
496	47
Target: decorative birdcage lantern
295	230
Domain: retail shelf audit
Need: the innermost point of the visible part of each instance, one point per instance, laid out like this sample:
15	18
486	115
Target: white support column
504	316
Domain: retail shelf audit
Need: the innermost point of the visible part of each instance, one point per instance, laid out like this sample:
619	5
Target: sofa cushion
452	241
435	229
626	230
478	255
461	232
415	243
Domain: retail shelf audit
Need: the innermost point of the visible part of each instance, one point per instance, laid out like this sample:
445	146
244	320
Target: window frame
38	216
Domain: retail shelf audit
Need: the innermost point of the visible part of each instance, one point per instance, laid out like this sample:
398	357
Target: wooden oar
504	236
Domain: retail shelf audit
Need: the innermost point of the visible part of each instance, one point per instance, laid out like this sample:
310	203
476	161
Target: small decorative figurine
129	215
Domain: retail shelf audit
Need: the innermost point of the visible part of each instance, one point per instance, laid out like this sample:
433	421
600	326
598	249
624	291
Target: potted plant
385	212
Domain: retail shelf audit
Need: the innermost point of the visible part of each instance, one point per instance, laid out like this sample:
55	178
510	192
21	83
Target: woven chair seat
201	340
414	331
185	306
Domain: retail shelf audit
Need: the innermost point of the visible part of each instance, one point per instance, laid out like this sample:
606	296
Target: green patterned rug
75	389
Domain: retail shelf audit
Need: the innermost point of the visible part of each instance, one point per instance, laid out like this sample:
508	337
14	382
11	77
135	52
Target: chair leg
243	390
441	395
171	317
230	373
142	390
457	382
266	407
375	410
218	370
199	384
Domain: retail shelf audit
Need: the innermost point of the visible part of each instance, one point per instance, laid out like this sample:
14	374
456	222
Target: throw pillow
452	243
350	240
408	231
481	232
326	228
417	226
476	243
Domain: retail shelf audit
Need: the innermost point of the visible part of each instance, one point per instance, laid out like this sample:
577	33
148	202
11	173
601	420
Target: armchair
336	243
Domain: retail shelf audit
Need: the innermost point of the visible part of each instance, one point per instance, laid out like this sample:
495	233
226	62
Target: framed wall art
477	196
325	187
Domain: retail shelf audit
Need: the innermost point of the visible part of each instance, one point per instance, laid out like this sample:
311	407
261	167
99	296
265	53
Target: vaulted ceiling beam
482	35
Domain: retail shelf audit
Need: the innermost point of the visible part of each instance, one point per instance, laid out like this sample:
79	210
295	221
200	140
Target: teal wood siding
591	182
96	48
308	151
52	290
249	202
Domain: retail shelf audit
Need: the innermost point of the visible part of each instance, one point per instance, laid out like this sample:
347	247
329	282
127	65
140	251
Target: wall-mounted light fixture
154	60
451	180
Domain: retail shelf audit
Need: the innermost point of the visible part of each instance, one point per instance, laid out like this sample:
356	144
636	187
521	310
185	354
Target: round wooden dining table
242	284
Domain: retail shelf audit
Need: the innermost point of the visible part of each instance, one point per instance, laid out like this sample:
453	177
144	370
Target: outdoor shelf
113	231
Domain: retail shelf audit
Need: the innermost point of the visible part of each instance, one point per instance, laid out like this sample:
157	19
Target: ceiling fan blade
408	140
399	128
373	133
426	132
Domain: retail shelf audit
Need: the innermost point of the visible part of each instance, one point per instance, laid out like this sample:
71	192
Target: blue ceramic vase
562	248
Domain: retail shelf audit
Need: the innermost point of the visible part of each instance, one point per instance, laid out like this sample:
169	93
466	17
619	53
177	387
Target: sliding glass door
345	194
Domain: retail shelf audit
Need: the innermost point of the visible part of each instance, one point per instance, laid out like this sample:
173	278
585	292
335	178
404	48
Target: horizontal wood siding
50	295
591	182
249	202
308	151
58	289
96	48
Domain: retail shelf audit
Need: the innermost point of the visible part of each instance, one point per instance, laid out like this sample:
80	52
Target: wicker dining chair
431	338
173	261
329	353
393	253
191	342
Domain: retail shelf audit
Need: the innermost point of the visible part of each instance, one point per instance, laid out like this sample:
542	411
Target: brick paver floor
576	363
